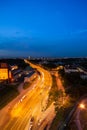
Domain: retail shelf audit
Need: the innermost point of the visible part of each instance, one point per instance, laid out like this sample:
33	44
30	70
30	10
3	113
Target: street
28	105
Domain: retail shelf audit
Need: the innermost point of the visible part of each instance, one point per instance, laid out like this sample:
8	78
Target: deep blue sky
43	28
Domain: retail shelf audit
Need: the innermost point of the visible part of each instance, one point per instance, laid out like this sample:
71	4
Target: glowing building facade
5	73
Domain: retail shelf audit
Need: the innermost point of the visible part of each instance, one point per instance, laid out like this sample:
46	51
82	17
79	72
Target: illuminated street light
82	106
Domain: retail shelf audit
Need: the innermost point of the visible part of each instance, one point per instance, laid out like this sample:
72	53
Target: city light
82	106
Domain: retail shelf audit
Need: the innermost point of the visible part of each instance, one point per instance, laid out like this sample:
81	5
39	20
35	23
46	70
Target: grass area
56	120
61	112
53	91
73	126
55	123
74	88
54	95
74	85
8	94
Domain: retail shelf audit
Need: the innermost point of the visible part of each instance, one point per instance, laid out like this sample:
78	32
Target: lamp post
82	106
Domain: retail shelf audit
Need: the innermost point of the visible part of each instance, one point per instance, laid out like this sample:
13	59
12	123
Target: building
83	76
29	77
16	74
5	73
70	69
13	67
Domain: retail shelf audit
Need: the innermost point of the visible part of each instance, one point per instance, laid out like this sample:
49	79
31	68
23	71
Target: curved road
26	111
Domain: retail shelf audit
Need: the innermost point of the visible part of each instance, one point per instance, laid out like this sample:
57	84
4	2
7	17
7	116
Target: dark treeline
19	62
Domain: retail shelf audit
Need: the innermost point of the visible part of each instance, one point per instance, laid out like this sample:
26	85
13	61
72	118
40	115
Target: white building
68	70
83	76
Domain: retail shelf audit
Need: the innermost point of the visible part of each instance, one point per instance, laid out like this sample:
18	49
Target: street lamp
82	106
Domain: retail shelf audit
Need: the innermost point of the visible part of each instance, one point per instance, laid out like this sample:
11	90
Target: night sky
50	28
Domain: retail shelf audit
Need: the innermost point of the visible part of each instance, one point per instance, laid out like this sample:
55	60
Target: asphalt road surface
25	112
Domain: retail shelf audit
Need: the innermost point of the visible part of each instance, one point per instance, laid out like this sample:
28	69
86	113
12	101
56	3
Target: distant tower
29	57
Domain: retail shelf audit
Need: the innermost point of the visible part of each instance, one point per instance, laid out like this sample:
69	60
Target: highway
25	112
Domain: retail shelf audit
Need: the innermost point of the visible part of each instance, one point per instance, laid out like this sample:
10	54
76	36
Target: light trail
30	106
